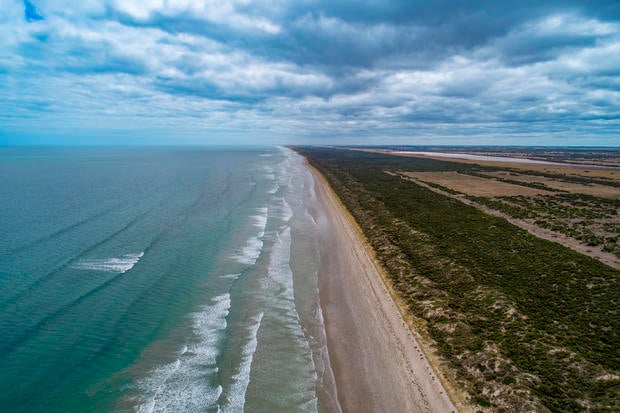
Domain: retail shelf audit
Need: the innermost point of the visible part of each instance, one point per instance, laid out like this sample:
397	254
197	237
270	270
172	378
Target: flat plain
568	204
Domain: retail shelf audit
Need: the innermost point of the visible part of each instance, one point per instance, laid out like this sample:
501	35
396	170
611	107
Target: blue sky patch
30	12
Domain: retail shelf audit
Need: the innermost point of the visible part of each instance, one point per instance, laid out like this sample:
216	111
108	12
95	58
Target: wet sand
377	363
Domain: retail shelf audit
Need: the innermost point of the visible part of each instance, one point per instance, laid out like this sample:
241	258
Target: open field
606	173
520	219
587	216
599	156
522	324
576	206
474	185
604	191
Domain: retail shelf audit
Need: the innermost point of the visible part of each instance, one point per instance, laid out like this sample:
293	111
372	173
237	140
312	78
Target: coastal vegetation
587	212
600	156
591	220
522	324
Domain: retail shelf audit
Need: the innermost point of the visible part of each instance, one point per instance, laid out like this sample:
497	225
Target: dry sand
377	363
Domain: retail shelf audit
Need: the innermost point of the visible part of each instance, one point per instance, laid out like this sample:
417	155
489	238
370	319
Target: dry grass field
586	171
576	210
475	185
603	191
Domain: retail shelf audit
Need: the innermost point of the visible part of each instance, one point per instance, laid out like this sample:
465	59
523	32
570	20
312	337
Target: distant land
599	155
507	270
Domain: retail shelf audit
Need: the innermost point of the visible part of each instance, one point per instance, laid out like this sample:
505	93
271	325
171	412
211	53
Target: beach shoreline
377	362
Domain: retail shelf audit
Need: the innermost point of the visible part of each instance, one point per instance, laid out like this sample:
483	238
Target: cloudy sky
277	71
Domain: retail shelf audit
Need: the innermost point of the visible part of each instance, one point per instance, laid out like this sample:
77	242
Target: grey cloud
333	67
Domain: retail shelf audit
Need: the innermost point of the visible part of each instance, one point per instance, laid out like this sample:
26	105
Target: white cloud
215	11
298	74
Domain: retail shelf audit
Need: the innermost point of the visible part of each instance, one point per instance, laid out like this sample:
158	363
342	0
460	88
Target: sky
314	72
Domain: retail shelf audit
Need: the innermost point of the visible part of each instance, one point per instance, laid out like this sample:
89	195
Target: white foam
269	173
231	276
189	383
287	212
280	281
249	253
274	189
119	265
260	221
280	272
235	397
282	305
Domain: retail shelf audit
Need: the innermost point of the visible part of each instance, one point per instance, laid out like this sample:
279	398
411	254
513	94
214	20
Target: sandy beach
377	363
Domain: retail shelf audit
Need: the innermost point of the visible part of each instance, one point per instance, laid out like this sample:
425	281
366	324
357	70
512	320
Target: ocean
160	280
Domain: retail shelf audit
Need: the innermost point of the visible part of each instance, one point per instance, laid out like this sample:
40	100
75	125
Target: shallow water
159	280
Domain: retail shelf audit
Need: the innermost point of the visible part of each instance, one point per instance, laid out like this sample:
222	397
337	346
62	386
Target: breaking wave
118	265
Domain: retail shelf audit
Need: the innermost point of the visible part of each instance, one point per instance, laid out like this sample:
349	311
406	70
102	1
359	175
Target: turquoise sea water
159	279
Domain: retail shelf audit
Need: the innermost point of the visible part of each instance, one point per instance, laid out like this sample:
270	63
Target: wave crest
117	265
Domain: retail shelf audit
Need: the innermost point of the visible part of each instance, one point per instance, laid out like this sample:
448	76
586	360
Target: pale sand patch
602	191
377	362
474	185
585	171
